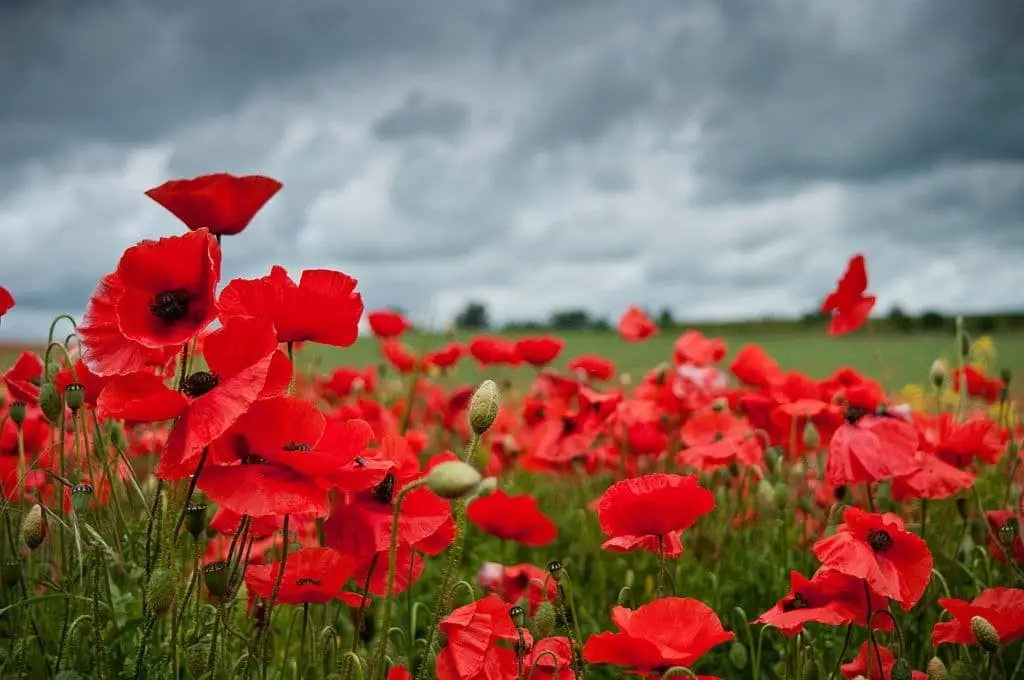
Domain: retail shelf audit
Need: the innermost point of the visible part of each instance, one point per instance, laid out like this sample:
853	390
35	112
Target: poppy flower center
296	446
307	582
798	602
853	414
880	541
719	436
568	426
170	305
253	460
199	383
385	491
36	380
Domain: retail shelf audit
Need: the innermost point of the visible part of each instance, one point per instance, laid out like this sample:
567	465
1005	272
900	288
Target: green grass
895	360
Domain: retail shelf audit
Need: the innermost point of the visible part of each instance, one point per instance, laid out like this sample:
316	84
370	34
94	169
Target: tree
473	317
899	320
932	321
570	320
665	318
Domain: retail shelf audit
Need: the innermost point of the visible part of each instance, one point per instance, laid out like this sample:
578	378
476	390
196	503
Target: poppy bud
812	440
81	495
835	514
486	487
33	527
50	402
160	591
518	616
544	619
17	412
10	573
900	670
483	406
197	656
195	519
985	633
738	655
453	479
772	458
960	671
117	436
780	495
216	576
765	494
938	374
74	395
937	670
623	599
961	507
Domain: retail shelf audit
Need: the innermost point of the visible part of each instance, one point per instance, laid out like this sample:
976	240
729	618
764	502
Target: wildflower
848	304
635	325
1001	608
539	351
222	203
512	518
386	323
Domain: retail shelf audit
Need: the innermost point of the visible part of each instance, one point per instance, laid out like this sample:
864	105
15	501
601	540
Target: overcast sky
723	158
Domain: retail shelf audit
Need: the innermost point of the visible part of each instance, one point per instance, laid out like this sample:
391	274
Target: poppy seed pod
50	402
985	633
453	479
74	395
901	670
17	412
937	670
216	576
195	519
483	406
33	527
738	655
938	374
81	494
518	616
160	591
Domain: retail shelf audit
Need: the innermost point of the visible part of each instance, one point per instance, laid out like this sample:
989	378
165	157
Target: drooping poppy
512	518
650	512
932	478
1001	607
869	656
671	631
871	449
24	378
220	202
386	323
830	598
877	548
635	325
323	307
311	576
848	304
160	296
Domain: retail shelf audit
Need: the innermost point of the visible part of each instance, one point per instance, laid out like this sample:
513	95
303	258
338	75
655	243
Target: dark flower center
568	426
719	436
307	582
199	383
385	491
853	413
251	459
296	446
36	380
170	305
798	602
880	541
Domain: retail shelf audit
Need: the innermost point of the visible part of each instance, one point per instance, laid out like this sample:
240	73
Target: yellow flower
983	353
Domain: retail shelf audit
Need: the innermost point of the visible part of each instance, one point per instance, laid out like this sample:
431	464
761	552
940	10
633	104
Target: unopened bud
938	374
835	514
160	591
486	487
17	412
50	402
483	407
901	670
985	633
33	527
781	496
765	494
10	573
453	479
74	395
81	495
812	440
216	576
937	670
738	655
544	619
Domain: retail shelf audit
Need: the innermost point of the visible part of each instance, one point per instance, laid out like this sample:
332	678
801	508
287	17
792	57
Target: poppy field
210	478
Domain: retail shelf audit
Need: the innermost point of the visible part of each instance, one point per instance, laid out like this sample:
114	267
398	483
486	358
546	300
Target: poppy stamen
307	582
385	491
798	602
171	305
880	541
199	383
296	446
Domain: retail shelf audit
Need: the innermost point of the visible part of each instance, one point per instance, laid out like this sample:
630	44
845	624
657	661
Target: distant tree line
476	317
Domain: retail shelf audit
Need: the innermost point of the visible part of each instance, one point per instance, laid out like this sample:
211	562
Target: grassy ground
896	360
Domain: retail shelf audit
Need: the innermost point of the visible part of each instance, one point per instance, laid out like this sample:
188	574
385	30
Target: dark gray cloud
721	157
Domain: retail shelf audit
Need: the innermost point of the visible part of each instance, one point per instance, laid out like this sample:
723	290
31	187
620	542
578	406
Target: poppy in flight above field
6	301
848	304
635	325
220	202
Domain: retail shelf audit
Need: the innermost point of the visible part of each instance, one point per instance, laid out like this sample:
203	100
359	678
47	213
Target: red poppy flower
446	357
593	366
870	450
489	351
959	443
287	457
547	659
24	378
159	297
997	521
693	348
345	381
512	518
878	549
830	598
324	307
399	356
978	384
539	351
671	631
472	633
868	655
649	512
635	325
932	478
222	203
1002	607
752	366
6	301
386	323
311	576
848	304
745	451
524	584
399	673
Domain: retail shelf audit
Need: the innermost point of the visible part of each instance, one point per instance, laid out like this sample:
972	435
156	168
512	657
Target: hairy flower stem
188	495
871	634
568	610
151	550
268	630
377	669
